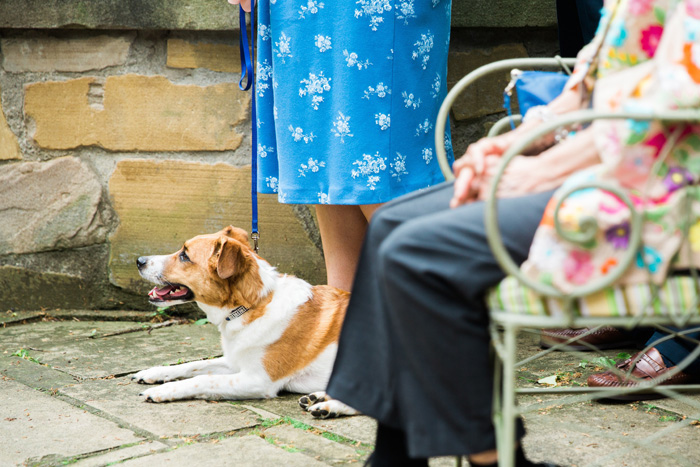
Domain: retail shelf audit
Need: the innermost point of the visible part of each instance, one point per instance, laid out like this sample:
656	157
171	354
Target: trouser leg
414	351
435	271
674	351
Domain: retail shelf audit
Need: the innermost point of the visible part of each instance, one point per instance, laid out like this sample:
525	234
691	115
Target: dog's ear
234	232
230	258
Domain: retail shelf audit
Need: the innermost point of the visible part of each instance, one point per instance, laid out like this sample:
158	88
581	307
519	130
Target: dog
278	332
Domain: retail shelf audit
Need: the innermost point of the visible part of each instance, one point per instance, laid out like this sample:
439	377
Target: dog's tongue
163	291
168	291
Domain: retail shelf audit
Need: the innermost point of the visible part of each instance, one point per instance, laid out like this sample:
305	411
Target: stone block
49	205
216	57
72	54
485	96
161	204
503	14
210	15
36	425
22	289
136	113
9	146
203	15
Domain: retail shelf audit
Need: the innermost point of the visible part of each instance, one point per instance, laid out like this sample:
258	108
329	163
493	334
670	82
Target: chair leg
506	440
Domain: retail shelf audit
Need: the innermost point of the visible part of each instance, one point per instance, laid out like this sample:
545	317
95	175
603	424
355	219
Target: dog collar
236	313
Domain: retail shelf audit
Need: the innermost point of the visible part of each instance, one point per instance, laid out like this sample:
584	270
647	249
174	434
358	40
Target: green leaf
548	381
636	138
583	363
623	356
603	361
694	141
660	15
201	322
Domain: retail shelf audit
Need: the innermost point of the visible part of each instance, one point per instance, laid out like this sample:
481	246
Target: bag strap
248	75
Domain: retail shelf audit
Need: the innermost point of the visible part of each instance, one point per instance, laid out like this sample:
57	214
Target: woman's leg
369	209
342	231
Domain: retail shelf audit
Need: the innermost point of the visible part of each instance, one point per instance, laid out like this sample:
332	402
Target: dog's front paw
163	393
310	399
155	375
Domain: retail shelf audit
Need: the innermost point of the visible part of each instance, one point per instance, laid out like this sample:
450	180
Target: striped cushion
677	296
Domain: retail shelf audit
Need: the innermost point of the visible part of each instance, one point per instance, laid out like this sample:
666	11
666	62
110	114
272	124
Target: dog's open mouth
170	292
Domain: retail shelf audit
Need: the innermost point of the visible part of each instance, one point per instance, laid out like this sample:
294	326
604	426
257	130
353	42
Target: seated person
414	350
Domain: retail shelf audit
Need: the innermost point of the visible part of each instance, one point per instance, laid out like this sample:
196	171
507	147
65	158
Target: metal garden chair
519	303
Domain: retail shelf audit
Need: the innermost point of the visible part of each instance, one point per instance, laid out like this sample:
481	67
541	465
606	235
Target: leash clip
255	236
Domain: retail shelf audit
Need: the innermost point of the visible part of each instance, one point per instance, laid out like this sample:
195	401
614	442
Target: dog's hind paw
310	399
326	407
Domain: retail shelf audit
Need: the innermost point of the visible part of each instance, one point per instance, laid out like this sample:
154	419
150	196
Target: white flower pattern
405	11
427	155
283	47
380	90
313	165
424	46
342	127
264	151
383	120
311	7
369	166
374	9
298	135
398	167
410	101
352	61
323	43
315	85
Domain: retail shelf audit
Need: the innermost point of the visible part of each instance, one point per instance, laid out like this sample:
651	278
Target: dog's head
219	270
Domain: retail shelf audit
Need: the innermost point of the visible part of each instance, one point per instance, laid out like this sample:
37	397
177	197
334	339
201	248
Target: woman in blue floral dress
347	96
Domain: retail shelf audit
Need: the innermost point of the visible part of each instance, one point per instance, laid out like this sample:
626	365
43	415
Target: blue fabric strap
246	83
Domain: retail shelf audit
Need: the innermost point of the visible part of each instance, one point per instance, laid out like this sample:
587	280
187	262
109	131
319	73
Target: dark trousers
675	350
414	350
577	21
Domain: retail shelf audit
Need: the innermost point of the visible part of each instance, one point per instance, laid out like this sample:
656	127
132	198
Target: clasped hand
244	3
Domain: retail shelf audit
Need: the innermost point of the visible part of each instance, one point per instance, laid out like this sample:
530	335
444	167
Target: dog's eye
184	258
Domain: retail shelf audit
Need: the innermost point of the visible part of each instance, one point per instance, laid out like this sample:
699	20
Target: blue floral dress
347	94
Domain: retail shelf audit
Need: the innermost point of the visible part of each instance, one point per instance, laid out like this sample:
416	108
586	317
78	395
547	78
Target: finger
462	187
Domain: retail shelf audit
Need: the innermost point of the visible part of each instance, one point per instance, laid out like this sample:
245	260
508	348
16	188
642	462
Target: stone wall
123	133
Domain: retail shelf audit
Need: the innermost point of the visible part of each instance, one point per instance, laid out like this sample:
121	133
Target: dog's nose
141	262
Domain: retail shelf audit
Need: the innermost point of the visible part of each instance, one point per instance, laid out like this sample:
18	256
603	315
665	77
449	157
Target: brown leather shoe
650	366
605	337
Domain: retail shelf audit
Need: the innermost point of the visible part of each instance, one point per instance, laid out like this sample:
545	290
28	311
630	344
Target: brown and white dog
277	331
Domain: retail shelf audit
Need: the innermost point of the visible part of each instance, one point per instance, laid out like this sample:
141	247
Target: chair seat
676	297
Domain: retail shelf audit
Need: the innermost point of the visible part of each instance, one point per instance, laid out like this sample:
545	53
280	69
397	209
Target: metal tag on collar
236	313
255	236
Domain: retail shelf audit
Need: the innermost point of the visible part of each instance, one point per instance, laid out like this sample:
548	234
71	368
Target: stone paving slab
313	445
357	428
609	435
247	451
68	346
35	425
117	455
120	398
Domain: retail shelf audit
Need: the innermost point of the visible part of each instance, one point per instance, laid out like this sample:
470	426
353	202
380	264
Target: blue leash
246	83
